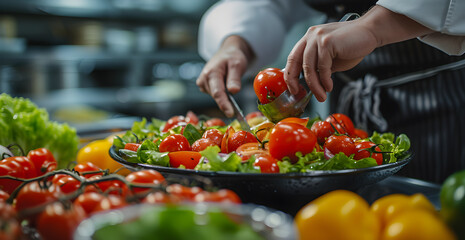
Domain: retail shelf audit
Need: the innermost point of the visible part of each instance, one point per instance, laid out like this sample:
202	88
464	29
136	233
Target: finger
311	75
233	79
294	67
217	91
201	82
324	68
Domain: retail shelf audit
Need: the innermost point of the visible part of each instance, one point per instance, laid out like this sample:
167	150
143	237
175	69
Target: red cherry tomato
251	115
342	123
338	143
214	122
269	84
267	163
224	142
85	167
110	186
132	146
174	122
66	183
4	195
33	195
43	160
287	138
322	130
156	198
174	143
110	202
189	159
360	133
59	222
25	164
221	196
182	193
214	135
301	121
201	144
239	138
191	118
245	151
368	149
147	176
89	201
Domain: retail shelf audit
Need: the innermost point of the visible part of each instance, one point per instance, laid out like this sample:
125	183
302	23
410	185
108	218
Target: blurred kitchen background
104	63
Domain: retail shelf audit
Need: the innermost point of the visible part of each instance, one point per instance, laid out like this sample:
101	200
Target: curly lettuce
23	123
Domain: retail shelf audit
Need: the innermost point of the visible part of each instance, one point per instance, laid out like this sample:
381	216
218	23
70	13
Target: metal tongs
287	105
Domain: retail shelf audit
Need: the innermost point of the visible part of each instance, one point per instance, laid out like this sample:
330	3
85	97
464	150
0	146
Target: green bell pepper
452	198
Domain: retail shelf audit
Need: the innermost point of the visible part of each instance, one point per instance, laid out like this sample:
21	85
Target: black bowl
287	192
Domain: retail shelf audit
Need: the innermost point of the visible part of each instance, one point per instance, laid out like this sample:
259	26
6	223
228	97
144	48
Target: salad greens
394	148
23	123
157	223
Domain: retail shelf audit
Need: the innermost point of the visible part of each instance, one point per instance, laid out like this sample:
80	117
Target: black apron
408	87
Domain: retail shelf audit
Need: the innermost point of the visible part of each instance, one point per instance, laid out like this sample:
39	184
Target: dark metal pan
287	192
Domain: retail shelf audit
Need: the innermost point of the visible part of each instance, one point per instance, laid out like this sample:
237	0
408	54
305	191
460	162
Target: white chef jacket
264	24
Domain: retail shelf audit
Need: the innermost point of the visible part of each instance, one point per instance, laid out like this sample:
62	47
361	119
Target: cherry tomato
301	121
156	198
43	160
269	84
342	123
267	163
10	227
110	202
360	133
214	122
220	196
89	201
11	166
4	195
66	183
224	142
132	146
109	186
263	130
322	130
214	135
191	118
339	143
26	164
174	122
367	149
59	222
84	168
189	159
174	143
201	144
252	115
238	138
33	195
182	193
245	151
288	138
147	176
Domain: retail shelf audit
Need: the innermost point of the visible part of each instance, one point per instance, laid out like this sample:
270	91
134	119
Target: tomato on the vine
43	160
342	123
339	143
10	166
174	143
182	193
67	183
322	130
288	138
109	186
156	198
220	196
86	167
368	149
110	202
147	176
239	138
3	195
267	163
89	201
269	84
189	159
59	221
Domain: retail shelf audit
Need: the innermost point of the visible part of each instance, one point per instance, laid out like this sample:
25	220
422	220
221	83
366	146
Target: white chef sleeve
262	23
446	17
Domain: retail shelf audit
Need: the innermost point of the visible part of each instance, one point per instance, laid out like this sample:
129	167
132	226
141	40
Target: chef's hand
224	70
340	46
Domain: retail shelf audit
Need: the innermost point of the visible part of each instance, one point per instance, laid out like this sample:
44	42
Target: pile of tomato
53	202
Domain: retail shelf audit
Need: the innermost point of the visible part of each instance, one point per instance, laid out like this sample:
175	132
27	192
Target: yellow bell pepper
339	214
97	152
417	224
388	207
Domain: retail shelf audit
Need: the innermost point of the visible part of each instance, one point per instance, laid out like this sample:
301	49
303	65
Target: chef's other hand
340	46
224	70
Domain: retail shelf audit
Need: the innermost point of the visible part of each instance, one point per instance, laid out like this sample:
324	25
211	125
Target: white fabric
446	17
257	21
